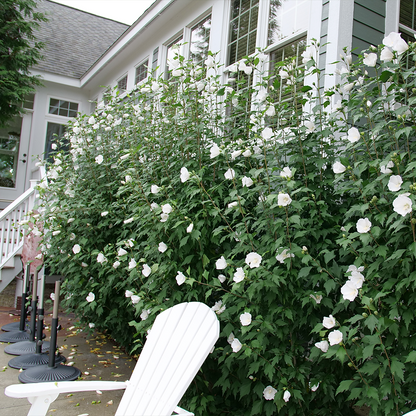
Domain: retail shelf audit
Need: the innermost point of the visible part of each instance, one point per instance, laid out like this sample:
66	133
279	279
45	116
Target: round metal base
15	336
14	326
25	347
33	360
44	373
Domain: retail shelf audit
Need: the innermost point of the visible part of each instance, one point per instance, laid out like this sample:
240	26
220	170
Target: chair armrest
41	389
182	412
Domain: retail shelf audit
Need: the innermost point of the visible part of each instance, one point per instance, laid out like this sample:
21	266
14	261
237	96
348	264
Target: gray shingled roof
74	39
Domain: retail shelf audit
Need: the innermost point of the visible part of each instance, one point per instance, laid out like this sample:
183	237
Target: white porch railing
11	232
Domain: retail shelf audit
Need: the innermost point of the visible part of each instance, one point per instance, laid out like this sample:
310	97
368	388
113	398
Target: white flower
370	59
145	314
128	293
121	252
262	94
323	346
218	308
124	157
215	151
338	167
354	268
267	133
154	206
132	264
91	297
162	247
253	260
314	387
116	264
166	208
335	337
135	299
232	204
271	111
209	62
190	228
395	41
245	319
363	225
269	392
184	174
395	183
180	278
284	255
386	55
247	181
239	275
247	153
76	249
353	135
99	159
349	291
316	298
329	322
235	154
164	217
221	278
56	232
386	168
307	55
402	204
286	396
154	189
101	258
286	173
230	174
128	178
146	270
284	200
310	126
103	214
52	296
129	220
236	345
221	263
84	264
357	279
91	325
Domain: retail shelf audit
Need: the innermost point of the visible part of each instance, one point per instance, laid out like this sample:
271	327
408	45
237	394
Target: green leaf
344	386
397	368
371	322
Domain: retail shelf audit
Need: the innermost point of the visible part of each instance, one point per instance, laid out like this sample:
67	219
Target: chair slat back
179	342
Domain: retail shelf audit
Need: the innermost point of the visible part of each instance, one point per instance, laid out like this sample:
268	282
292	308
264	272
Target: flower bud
365	315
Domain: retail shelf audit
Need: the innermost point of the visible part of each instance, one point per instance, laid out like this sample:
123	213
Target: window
292	50
29	102
243	29
286	18
407	23
122	84
172	52
54	135
200	41
155	58
141	72
63	108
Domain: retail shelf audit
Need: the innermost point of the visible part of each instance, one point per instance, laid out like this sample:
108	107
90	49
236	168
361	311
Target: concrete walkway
96	356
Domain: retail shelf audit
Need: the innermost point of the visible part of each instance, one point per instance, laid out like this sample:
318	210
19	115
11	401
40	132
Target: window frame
145	63
53	97
125	76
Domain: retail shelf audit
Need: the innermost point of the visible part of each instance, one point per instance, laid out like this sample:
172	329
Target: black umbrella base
15	336
33	360
44	373
25	347
14	326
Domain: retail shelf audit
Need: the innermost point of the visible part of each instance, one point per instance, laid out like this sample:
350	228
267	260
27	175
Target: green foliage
282	217
19	51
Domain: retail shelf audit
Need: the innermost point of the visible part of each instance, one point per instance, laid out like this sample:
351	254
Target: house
86	54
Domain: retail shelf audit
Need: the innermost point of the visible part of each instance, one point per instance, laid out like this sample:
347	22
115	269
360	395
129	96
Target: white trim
263	24
392	16
57	79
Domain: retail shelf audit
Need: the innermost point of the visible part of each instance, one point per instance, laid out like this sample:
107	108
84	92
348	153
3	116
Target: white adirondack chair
179	342
411	413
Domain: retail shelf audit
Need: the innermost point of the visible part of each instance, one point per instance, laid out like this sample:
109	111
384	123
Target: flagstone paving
95	355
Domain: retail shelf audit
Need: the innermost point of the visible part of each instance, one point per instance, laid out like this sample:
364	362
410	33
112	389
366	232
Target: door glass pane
9	153
54	133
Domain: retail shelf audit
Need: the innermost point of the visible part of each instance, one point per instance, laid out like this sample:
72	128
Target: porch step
12	268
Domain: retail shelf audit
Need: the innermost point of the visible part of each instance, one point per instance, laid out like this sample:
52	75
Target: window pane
122	84
54	133
155	58
63	104
246	14
62	108
408	13
73	106
200	41
172	52
286	18
63	112
141	72
9	152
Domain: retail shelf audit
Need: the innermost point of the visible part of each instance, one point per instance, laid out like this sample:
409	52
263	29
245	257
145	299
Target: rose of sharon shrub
296	228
